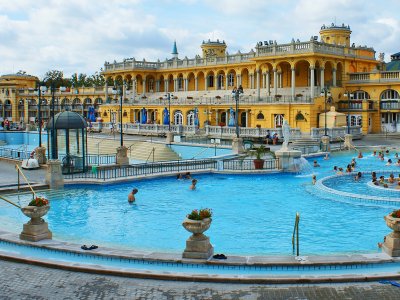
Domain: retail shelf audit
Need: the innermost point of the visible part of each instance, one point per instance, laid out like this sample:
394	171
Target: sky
78	36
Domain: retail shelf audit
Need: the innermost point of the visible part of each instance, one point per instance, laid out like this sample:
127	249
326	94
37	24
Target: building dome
67	120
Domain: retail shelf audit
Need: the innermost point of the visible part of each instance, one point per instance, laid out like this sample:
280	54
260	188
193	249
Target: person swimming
358	176
314	179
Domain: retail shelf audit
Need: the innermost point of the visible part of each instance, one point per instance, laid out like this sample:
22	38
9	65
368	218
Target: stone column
268	84
206	83
293	83
312	81
166	85
275	82
334	77
54	177
322	75
134	88
252	81
122	156
280	80
40	154
144	86
196	83
226	82
258	84
237	80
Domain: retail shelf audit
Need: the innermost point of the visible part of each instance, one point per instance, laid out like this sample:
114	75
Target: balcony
390	105
375	77
355	105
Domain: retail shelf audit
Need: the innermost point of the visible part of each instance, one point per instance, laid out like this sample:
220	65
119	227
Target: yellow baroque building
280	81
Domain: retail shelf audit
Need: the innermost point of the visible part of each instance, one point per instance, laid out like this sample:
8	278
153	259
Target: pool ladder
296	235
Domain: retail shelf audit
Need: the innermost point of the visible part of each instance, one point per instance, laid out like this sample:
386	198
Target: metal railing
295	235
10	202
151	152
16	154
113	172
248	164
19	171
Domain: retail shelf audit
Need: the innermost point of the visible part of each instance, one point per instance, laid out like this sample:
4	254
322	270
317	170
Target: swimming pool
253	214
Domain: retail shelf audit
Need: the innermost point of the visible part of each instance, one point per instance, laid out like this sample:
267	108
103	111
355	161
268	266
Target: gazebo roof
67	120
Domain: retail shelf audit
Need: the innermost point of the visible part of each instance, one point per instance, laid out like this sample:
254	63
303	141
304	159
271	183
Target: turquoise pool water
253	214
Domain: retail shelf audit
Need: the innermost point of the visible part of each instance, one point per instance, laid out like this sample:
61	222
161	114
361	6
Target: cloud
79	35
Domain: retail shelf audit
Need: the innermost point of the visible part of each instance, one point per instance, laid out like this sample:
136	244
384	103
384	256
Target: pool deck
22	279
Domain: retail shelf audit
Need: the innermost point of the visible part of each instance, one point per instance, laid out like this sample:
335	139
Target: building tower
336	34
213	49
174	51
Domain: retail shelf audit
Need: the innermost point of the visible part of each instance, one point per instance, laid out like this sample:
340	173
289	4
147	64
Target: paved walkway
19	281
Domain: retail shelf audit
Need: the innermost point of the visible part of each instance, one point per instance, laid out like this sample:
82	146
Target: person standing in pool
193	186
131	196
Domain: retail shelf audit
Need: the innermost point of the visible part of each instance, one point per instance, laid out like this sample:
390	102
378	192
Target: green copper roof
393	65
174	49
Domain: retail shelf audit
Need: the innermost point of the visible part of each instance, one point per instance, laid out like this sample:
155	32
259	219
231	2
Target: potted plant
198	245
259	153
36	209
198	221
391	243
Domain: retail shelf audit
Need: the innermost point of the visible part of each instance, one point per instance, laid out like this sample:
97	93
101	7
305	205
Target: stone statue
381	57
286	134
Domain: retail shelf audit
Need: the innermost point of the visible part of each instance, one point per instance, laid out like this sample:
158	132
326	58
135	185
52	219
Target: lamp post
118	91
348	95
325	92
53	128
236	93
41	88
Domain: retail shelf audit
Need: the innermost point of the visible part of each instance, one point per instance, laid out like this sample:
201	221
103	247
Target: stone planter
392	241
198	245
36	229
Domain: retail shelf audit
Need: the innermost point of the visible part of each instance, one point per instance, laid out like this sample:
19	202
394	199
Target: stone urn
391	243
36	229
198	245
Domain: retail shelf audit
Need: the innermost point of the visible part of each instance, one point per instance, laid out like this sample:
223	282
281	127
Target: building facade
280	81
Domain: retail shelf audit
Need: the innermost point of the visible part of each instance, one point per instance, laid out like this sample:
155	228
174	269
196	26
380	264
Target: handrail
20	171
201	152
296	233
8	201
98	147
152	152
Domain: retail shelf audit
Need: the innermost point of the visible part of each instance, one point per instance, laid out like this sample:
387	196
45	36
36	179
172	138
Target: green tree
56	77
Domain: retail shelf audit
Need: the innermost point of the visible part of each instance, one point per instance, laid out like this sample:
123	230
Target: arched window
260	116
220	83
178	118
210	80
360	95
180	83
231	79
355	120
190	118
390	95
278	120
